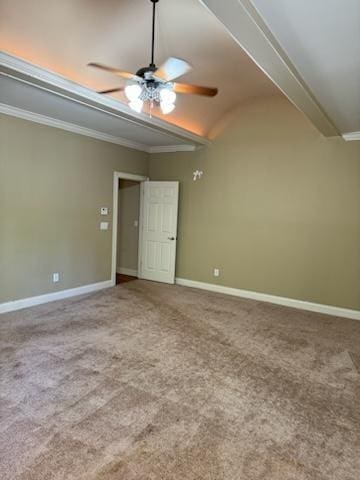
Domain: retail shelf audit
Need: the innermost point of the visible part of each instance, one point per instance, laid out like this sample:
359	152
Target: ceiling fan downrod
152	64
152	84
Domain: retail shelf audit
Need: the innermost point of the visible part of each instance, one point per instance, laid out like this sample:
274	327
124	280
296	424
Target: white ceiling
63	36
322	39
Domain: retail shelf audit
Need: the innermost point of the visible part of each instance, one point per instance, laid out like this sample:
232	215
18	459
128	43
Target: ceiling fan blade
194	89
111	90
120	73
172	68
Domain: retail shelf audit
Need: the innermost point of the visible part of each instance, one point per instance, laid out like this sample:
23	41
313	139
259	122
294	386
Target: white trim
141	225
131	176
41	78
264	297
172	148
117	177
51	297
70	127
246	26
351	136
127	271
105	137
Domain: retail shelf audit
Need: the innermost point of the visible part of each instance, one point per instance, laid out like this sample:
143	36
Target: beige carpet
147	381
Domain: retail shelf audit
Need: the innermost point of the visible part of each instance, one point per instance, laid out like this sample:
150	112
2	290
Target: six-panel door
159	209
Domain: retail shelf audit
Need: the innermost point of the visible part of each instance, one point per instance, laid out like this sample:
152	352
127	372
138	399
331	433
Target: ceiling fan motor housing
156	84
142	71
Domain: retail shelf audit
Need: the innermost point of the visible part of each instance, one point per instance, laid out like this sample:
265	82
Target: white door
157	236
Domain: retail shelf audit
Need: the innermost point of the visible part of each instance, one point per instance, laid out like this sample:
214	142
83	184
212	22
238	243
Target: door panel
159	210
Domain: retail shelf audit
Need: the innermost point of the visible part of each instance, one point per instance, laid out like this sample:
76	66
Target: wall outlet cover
56	277
104	210
104	225
216	272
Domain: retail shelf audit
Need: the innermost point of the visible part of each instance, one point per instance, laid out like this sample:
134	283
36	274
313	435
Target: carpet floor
147	381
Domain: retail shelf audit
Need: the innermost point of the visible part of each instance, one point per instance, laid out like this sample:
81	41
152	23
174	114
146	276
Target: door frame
120	176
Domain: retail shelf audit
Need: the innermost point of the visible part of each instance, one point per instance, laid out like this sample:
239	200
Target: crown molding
351	136
172	148
21	70
70	127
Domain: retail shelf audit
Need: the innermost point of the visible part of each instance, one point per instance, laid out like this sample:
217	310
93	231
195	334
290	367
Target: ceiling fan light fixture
133	92
167	96
167	100
167	107
154	85
136	105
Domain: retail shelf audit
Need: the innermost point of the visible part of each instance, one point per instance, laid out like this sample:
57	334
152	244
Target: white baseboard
50	297
264	297
127	271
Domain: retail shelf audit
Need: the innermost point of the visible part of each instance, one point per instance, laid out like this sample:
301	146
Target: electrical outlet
216	272
104	225
56	277
104	210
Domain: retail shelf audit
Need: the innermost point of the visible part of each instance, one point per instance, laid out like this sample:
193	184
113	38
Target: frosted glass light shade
136	105
133	92
166	107
167	96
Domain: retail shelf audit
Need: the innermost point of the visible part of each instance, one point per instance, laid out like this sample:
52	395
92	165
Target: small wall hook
197	175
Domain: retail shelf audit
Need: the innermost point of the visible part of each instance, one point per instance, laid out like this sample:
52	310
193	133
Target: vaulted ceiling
63	36
322	39
309	51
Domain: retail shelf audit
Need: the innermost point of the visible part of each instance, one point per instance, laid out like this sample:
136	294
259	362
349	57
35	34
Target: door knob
171	238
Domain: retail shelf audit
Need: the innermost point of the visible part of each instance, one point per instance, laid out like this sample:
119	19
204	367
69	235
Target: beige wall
52	185
278	208
128	233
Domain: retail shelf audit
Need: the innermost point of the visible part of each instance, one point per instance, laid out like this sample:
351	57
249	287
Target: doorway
127	231
150	227
123	214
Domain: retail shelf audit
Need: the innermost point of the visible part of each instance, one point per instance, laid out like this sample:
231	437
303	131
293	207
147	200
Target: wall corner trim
51	297
264	297
351	136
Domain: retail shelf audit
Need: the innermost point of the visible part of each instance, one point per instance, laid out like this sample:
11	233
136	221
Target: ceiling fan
155	84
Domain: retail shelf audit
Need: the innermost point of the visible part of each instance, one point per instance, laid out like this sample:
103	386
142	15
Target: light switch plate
104	225
104	210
